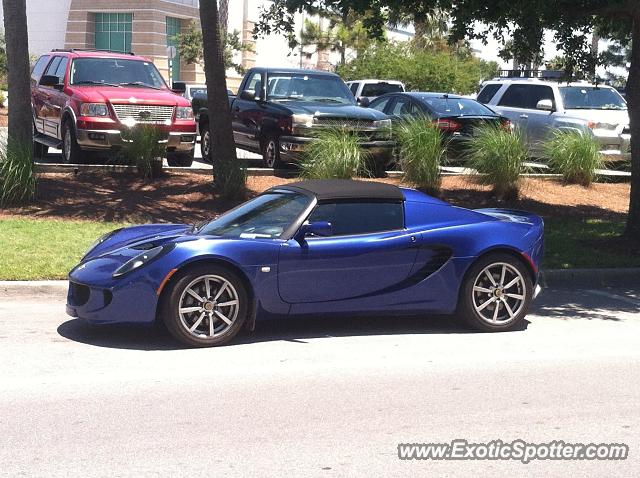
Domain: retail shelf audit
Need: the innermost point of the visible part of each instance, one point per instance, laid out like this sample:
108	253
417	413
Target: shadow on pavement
288	329
596	304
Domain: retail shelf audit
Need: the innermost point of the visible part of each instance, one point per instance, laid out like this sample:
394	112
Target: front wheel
496	294
71	152
206	306
271	152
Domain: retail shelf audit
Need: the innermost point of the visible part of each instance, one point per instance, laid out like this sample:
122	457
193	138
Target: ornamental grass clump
17	178
498	155
421	150
333	153
574	155
144	150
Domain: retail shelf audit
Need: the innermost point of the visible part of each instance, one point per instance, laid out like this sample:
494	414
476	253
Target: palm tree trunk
20	119
633	94
226	170
223	11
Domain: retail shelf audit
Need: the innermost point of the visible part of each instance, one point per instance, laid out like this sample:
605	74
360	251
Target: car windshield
379	89
115	72
301	87
266	216
591	98
456	106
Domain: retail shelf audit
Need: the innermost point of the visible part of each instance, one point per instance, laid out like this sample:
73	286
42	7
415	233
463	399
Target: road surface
317	397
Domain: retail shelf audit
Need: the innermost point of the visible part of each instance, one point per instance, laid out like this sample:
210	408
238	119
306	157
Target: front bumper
614	145
106	140
292	147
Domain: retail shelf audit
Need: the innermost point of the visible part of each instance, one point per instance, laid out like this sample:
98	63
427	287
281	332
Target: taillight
447	125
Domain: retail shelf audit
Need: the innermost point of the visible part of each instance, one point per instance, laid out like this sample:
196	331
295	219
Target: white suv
540	107
371	89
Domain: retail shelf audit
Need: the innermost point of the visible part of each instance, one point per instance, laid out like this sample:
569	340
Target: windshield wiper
139	83
293	98
95	82
328	100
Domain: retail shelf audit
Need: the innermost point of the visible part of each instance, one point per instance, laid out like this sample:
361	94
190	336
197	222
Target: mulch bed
188	198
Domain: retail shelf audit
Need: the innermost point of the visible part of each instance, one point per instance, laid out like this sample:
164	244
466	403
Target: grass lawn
43	248
48	249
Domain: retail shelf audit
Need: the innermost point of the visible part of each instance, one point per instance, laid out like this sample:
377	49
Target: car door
540	122
37	93
48	111
246	114
58	97
368	252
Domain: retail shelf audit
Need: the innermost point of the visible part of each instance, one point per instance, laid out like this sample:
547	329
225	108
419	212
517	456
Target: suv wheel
183	160
205	142
71	152
271	152
39	150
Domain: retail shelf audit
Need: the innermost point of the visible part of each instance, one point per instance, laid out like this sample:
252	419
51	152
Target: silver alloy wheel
66	147
208	306
271	153
206	144
499	293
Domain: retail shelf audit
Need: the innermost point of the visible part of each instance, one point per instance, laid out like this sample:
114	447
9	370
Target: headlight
302	120
94	109
138	261
100	240
184	113
605	126
385	123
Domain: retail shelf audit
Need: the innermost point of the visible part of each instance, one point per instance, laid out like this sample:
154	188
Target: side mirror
51	80
545	105
320	228
247	95
363	101
179	87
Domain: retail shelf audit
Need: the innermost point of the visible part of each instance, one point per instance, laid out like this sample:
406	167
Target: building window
113	31
174	26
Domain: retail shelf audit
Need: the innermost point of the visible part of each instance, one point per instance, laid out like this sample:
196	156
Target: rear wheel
180	159
205	142
496	293
71	152
206	306
39	150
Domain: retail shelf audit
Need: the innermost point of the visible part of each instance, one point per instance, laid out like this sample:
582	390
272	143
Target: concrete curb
575	278
623	277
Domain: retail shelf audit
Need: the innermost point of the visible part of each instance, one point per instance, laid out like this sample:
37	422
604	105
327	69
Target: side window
403	107
354	88
488	92
349	218
38	68
381	104
255	84
526	96
62	68
53	66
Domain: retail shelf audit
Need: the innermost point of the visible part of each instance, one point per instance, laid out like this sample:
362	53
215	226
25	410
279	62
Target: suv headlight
141	259
385	123
604	126
304	120
94	109
184	113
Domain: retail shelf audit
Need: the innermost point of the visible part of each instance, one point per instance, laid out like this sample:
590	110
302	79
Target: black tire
71	152
178	325
271	152
478	289
205	142
39	150
183	160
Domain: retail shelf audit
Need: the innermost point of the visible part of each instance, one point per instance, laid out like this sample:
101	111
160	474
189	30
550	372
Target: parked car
190	90
87	101
278	111
371	89
314	247
457	117
540	107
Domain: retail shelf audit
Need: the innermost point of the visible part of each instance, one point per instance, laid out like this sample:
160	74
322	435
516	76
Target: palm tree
17	48
228	178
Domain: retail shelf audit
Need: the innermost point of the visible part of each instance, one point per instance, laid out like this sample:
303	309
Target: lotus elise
309	248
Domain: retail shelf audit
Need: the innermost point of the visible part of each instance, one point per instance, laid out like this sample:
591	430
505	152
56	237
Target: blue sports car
314	247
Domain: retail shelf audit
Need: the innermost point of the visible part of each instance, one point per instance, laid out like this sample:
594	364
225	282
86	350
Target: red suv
86	101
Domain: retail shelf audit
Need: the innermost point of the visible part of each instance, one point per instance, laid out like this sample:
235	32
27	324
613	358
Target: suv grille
144	113
337	122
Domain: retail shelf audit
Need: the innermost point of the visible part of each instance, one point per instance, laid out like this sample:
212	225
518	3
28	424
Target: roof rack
71	50
557	75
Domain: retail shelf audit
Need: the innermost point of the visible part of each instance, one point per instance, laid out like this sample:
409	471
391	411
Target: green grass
45	249
570	243
334	153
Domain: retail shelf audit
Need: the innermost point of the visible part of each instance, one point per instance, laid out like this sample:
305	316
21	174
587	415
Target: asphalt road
321	397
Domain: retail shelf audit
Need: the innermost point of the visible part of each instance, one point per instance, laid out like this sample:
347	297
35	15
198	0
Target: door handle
524	116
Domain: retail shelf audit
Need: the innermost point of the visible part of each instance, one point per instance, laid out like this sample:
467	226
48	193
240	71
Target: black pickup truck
277	111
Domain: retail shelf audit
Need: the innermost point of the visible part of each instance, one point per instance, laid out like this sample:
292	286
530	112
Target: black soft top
326	189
